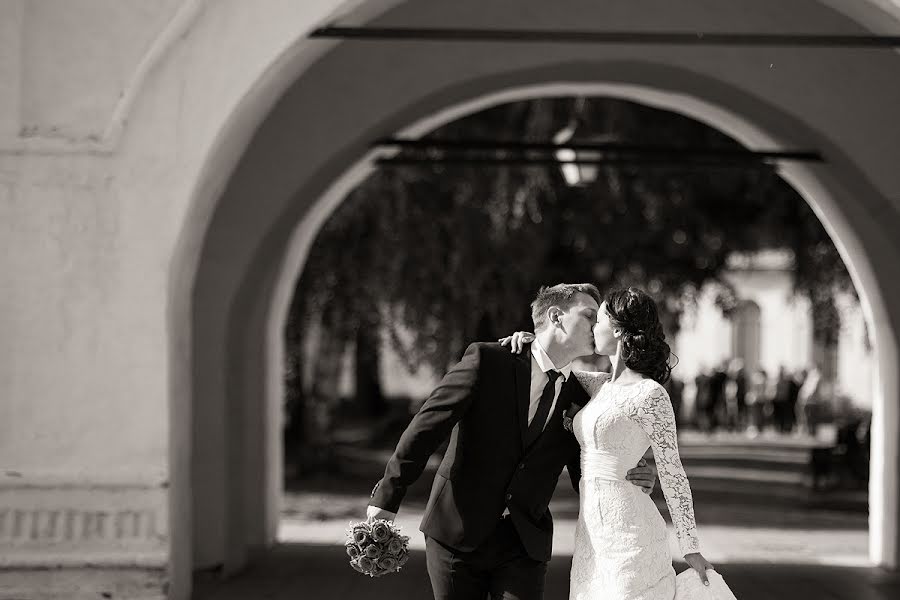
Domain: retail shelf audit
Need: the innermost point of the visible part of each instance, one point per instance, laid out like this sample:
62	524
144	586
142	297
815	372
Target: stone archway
255	245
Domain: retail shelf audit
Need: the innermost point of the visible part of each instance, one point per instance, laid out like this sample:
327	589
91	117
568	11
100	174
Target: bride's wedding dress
621	548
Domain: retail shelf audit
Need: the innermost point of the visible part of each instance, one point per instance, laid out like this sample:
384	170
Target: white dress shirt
540	364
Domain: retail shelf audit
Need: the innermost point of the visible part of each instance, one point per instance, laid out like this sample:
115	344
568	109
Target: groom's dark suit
482	405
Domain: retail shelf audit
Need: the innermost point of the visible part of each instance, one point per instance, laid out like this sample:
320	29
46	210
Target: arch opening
256	310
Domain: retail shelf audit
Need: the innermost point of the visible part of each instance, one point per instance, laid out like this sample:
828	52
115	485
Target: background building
771	327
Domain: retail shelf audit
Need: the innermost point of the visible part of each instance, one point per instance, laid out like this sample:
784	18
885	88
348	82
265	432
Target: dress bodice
617	426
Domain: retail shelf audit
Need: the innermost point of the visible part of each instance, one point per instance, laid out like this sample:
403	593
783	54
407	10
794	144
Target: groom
487	526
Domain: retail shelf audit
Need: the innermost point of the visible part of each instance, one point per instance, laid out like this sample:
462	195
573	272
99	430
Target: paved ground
312	572
770	536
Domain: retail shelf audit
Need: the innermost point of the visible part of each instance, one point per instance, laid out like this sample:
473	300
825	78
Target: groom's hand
373	512
642	476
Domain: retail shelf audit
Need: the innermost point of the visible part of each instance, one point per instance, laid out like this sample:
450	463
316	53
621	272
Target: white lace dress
621	550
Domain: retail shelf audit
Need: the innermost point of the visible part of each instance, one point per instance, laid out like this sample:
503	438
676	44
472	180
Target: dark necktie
543	409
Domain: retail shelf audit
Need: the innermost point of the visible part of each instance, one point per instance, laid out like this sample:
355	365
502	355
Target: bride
621	549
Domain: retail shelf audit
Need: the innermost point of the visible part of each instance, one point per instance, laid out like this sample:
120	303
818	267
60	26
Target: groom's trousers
498	569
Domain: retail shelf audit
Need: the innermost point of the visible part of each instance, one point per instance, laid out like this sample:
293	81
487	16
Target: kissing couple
488	529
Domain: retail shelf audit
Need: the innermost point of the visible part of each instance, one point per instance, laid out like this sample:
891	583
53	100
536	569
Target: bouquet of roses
376	547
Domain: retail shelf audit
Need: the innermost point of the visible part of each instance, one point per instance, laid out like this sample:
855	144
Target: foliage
439	255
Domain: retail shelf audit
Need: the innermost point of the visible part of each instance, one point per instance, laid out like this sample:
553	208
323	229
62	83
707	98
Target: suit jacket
482	404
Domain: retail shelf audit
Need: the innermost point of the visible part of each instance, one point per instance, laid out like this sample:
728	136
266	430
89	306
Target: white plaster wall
80	57
86	231
86	239
84	366
10	63
87	234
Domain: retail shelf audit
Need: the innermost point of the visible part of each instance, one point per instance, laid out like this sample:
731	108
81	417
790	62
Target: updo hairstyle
644	347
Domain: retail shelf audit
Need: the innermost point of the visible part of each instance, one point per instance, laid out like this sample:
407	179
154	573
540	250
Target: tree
437	255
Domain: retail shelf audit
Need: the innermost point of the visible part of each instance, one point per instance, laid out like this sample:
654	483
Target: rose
353	551
401	560
381	532
355	565
361	537
360	532
395	546
366	564
388	564
361	526
372	551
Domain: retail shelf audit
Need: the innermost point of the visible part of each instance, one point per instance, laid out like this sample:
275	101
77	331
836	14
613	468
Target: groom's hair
561	295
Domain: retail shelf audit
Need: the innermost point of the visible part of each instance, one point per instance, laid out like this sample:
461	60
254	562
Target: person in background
734	391
702	401
757	400
808	402
781	401
794	385
717	396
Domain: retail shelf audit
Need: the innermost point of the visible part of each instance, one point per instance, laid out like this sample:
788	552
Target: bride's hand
696	561
517	341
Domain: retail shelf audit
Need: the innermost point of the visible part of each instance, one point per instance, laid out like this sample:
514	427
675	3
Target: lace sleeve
591	381
652	410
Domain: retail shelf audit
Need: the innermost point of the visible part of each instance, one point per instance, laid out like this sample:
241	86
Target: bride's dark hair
644	347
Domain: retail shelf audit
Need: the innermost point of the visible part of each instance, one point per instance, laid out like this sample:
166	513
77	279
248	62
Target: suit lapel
523	391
